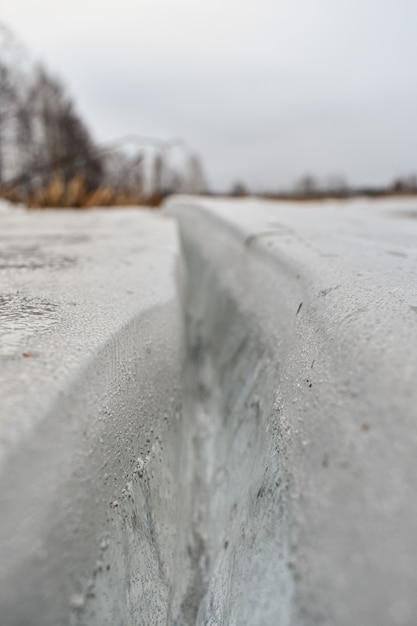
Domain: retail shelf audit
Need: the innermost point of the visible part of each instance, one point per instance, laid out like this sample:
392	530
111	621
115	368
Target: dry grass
54	194
11	194
76	194
103	196
58	193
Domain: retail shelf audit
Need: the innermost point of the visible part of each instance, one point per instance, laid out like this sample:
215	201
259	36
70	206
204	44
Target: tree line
49	158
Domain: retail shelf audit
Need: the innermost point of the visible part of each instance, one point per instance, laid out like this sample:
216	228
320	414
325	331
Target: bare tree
239	190
158	174
336	185
7	106
306	186
195	179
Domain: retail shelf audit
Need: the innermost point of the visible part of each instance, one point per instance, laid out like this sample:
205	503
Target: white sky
264	90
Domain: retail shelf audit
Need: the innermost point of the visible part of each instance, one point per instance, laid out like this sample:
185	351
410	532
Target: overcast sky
264	90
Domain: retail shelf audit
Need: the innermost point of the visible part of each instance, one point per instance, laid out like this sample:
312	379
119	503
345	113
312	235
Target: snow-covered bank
301	323
210	421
